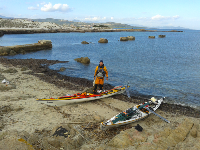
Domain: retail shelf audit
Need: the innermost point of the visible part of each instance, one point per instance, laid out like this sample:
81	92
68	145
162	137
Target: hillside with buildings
50	23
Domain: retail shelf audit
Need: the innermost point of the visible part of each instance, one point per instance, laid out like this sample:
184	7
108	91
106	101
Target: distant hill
79	23
172	27
120	25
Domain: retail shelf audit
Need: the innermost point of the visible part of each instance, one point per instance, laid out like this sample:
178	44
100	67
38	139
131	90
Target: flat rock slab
6	87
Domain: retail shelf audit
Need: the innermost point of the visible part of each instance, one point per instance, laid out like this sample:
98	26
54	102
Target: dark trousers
95	87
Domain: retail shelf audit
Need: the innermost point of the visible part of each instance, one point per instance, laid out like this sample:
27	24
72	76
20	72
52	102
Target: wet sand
27	124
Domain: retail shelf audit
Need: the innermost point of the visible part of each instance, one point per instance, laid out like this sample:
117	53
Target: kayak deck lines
81	97
133	114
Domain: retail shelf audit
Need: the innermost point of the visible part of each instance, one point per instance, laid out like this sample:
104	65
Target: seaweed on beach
40	69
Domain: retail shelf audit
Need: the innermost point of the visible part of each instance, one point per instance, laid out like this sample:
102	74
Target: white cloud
176	17
159	17
111	18
33	8
96	18
57	7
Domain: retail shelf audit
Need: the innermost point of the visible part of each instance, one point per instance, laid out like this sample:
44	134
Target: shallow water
166	67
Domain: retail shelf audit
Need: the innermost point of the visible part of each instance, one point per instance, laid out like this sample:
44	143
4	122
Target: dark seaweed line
73	83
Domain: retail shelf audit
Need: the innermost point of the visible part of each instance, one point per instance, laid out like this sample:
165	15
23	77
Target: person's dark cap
101	61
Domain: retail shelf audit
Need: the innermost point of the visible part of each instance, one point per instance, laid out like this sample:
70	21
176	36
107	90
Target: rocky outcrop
128	138
152	37
175	138
84	42
161	36
123	38
4	51
131	37
102	40
13	50
12	53
84	60
186	136
62	69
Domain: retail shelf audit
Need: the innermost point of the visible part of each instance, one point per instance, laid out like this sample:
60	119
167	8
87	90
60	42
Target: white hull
62	102
140	115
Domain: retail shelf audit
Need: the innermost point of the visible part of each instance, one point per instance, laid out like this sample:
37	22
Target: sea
161	67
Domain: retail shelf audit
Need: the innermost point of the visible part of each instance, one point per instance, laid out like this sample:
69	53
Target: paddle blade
127	92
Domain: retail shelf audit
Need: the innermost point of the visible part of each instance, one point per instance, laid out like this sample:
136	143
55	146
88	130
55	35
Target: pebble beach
28	124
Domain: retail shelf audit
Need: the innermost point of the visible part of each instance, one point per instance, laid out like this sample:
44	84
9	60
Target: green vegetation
100	26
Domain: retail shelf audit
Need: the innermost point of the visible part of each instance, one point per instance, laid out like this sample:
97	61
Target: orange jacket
104	68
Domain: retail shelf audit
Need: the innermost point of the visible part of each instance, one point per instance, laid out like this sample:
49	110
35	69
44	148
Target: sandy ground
28	124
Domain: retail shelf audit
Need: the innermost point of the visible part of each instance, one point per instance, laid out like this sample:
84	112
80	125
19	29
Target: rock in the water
4	51
131	37
152	37
123	38
12	52
62	69
161	36
102	40
84	60
45	41
84	42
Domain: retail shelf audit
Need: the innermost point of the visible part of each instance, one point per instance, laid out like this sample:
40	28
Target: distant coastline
27	26
32	31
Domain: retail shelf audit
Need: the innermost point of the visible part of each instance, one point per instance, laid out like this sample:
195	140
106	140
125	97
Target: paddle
127	91
157	115
121	117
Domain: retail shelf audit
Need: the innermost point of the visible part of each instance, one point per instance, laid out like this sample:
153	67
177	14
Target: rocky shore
32	31
27	26
27	124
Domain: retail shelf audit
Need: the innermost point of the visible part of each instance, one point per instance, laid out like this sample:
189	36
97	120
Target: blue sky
151	13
